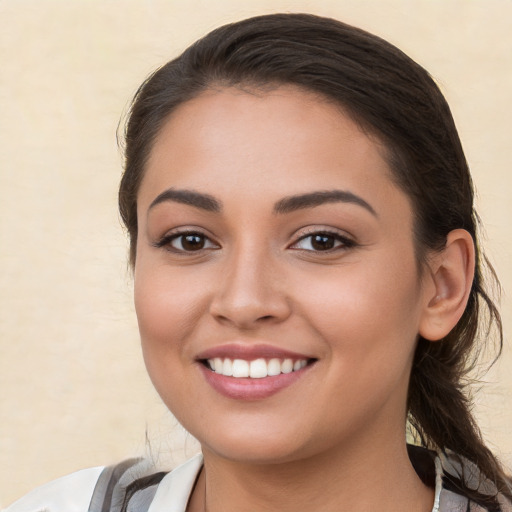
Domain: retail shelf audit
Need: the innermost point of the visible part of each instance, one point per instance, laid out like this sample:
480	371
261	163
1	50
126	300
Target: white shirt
73	493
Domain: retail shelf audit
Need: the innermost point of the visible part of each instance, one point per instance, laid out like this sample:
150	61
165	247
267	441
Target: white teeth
274	367
217	365
256	369
227	367
287	366
240	368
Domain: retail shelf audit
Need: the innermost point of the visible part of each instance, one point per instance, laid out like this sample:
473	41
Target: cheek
370	327
369	310
168	306
168	311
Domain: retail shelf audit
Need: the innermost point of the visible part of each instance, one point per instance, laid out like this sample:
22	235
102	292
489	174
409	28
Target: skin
356	309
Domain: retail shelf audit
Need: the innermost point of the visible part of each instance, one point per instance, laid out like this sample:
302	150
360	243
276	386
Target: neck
360	479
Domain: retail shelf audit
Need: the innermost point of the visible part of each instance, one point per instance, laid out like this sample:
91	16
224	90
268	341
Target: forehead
265	144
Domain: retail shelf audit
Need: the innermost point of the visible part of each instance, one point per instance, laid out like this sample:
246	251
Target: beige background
73	390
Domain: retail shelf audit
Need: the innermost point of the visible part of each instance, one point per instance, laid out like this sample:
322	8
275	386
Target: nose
251	292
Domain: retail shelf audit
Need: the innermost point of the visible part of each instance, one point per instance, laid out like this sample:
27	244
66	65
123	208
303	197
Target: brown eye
186	242
322	242
192	242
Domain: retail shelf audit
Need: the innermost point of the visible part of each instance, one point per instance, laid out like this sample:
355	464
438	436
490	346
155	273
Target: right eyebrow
313	199
188	197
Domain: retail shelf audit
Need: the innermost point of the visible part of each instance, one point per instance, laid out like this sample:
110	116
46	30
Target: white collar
175	488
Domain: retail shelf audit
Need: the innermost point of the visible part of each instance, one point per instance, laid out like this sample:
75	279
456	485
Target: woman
307	278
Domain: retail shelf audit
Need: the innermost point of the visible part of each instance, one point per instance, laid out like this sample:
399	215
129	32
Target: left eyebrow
312	199
189	197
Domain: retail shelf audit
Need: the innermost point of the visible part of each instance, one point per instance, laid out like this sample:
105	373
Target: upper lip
250	352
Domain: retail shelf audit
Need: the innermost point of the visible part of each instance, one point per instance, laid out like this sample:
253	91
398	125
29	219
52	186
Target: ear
450	277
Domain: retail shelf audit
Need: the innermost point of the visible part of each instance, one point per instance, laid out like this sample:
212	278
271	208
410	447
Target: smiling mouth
255	369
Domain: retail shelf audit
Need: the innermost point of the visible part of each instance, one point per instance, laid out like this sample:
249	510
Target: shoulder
134	484
87	490
460	485
71	493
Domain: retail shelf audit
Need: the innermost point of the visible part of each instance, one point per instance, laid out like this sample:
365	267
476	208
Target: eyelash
166	242
343	241
339	241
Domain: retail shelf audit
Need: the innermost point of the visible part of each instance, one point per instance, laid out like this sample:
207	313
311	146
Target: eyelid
164	242
346	241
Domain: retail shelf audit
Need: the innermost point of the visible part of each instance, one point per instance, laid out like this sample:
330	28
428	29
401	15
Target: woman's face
272	238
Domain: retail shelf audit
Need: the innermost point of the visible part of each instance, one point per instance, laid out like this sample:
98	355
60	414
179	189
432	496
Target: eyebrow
188	197
286	205
312	199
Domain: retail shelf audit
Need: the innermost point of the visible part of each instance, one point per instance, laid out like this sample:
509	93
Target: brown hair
390	96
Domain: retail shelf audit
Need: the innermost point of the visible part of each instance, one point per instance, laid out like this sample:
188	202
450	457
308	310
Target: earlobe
451	274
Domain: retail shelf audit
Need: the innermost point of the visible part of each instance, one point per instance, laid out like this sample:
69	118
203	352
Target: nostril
246	308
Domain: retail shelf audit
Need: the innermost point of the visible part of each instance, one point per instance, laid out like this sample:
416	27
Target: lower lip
251	389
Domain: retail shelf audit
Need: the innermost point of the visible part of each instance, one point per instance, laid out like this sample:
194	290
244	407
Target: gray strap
101	500
141	500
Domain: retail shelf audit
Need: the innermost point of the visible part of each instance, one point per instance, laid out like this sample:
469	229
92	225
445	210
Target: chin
254	447
257	454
